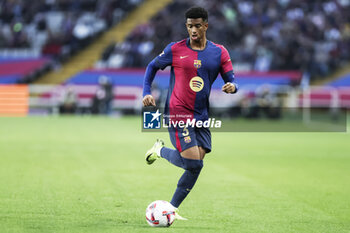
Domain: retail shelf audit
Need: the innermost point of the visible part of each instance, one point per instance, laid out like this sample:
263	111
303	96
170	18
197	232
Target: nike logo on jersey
182	57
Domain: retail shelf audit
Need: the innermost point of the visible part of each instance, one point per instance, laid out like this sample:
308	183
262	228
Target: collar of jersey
197	50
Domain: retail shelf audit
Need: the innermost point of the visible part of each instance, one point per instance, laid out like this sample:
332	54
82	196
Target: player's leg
176	158
202	152
193	162
181	139
193	166
173	156
203	137
187	156
191	153
159	150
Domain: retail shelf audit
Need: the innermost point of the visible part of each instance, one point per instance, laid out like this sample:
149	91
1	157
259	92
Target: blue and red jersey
191	77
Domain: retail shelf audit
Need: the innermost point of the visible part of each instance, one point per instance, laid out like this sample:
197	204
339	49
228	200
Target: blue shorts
184	138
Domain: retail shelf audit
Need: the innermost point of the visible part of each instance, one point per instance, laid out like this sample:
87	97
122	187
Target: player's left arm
226	71
230	86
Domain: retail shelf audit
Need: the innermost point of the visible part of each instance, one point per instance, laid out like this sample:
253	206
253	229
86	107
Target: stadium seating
309	36
46	98
51	31
326	97
333	94
259	36
14	70
340	82
134	77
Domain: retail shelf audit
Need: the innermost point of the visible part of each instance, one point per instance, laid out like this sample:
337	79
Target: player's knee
193	165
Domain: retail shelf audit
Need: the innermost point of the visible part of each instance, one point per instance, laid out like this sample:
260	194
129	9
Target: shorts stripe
178	144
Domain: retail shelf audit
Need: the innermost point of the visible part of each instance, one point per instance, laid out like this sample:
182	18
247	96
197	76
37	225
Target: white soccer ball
160	214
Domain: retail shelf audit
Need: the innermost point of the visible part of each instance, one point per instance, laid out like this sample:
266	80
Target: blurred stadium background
89	56
79	173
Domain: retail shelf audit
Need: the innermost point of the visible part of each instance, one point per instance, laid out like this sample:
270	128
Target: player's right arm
160	62
151	71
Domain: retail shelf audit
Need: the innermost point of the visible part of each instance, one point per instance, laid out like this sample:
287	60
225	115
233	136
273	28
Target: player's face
196	29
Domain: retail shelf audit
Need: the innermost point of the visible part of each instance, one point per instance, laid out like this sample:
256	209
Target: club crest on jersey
197	63
187	139
196	84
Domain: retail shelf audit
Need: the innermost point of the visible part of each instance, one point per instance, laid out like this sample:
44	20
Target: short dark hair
197	12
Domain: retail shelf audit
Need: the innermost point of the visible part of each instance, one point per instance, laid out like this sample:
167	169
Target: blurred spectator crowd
57	27
310	36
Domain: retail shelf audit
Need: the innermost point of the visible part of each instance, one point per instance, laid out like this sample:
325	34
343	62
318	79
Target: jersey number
185	132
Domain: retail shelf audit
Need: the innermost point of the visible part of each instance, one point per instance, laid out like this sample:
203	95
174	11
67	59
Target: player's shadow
175	227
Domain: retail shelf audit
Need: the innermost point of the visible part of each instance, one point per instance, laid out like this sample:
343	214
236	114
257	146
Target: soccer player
195	64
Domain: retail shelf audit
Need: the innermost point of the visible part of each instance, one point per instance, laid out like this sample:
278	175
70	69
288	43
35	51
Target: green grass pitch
87	174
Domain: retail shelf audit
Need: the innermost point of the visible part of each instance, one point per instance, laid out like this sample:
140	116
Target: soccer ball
160	214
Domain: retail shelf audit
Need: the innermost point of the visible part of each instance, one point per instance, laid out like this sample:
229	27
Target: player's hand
148	100
229	88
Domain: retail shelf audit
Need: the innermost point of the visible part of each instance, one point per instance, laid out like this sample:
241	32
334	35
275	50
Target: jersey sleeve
149	77
226	64
165	58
